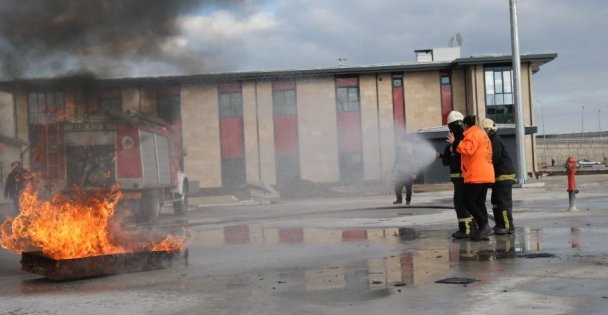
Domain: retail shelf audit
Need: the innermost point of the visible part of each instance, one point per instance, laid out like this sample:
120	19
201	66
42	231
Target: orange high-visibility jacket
476	153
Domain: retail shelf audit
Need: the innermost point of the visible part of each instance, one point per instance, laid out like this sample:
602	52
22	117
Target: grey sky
281	34
314	33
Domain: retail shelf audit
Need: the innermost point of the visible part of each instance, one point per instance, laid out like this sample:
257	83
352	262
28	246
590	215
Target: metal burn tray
95	266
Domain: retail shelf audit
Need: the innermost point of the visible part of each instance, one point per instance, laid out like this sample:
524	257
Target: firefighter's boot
466	227
504	222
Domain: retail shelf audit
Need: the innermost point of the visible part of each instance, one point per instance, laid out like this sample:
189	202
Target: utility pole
519	119
583	122
542	117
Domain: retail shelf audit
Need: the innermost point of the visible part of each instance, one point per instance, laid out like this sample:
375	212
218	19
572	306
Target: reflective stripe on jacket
476	155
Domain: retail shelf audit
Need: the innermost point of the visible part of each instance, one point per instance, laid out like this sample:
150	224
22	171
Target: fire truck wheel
150	206
181	207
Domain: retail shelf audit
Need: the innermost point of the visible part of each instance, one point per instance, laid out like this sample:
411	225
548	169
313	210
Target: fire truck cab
132	150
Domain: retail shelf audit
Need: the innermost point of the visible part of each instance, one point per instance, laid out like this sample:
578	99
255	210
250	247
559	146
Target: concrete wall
131	99
259	132
559	149
21	115
201	134
266	132
317	129
250	131
387	123
7	110
422	99
369	127
459	93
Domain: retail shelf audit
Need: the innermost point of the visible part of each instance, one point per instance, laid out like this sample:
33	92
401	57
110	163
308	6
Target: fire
81	225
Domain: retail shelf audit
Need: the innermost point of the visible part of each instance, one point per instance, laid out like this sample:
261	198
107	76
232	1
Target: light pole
520	136
583	122
599	120
542	119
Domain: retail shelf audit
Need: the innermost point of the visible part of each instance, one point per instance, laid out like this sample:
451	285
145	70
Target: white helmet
488	123
454	116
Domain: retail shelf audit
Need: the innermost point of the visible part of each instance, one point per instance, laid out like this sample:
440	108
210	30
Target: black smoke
58	37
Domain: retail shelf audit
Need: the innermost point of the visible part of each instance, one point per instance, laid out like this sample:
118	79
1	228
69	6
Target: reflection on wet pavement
345	266
418	256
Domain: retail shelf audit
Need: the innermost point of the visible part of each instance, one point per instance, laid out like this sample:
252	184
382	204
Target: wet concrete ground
356	255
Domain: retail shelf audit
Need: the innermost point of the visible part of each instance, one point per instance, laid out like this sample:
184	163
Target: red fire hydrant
572	191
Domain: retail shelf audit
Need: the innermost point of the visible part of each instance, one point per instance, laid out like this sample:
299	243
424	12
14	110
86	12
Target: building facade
325	125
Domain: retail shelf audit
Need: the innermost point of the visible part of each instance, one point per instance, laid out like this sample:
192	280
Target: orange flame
78	226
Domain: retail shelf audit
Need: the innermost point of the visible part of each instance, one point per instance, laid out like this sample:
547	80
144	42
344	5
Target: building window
110	101
45	108
231	104
499	94
398	106
446	97
168	104
284	98
347	94
349	128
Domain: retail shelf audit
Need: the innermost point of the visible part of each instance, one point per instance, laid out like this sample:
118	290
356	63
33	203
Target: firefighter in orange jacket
476	158
466	226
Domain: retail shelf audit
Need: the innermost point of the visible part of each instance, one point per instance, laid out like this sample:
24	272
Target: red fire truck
132	150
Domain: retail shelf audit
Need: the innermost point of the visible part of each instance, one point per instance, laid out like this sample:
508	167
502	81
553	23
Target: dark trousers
475	202
16	204
502	203
403	181
459	206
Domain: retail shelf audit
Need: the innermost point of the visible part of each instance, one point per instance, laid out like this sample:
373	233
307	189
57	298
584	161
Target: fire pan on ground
95	266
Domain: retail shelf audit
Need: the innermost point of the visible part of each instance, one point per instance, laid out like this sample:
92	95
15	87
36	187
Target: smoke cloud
415	154
105	37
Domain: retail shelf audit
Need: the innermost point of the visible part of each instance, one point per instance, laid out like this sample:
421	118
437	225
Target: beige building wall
317	129
74	105
459	93
7	110
479	108
370	134
131	99
387	123
201	134
250	131
148	100
21	114
266	130
422	100
259	132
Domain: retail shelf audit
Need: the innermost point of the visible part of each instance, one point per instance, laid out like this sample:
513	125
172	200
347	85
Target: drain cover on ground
536	255
457	280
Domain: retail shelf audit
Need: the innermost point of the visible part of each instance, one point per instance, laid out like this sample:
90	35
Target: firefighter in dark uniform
15	183
466	224
502	197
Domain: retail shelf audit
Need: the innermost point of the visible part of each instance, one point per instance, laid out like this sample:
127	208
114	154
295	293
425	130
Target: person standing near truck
15	183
